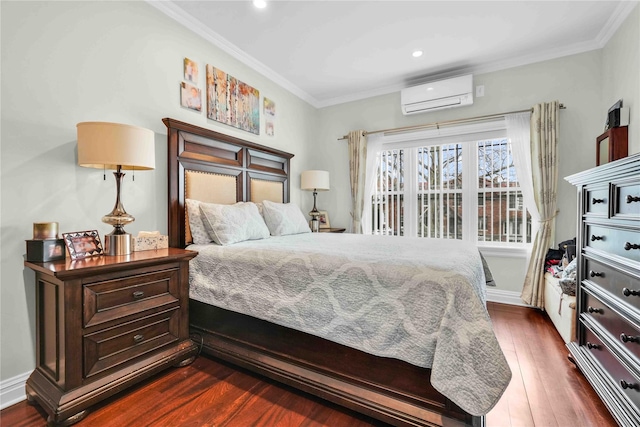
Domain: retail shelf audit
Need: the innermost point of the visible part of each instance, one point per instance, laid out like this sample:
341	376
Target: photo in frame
190	96
83	244
323	219
190	70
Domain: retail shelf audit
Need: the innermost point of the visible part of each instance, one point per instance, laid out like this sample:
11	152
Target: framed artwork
83	244
269	117
190	96
323	218
190	70
232	102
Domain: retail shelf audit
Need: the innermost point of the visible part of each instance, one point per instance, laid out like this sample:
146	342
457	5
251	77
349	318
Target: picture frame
83	244
190	97
323	218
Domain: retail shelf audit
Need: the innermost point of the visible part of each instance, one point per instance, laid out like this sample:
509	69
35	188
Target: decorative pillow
199	234
284	218
227	224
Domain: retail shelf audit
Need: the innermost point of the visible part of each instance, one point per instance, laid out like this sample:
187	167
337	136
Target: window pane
387	201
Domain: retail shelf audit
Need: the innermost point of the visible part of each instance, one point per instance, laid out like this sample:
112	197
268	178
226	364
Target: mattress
418	300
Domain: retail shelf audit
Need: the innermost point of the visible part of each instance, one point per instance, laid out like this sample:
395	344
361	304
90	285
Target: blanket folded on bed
417	300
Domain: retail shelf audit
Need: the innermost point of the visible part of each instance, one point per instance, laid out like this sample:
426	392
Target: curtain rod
449	122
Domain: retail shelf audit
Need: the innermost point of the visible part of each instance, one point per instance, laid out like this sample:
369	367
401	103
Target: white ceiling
329	52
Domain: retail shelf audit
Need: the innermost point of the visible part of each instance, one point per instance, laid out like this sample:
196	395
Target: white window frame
467	135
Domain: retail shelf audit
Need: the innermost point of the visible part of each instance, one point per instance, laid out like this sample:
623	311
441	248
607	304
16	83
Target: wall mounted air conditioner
437	95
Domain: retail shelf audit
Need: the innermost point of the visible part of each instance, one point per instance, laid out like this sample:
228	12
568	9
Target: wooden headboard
213	167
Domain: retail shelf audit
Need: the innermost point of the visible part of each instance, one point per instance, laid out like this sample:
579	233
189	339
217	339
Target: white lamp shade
315	180
109	145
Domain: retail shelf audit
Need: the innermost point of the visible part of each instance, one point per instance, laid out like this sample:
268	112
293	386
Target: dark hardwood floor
546	391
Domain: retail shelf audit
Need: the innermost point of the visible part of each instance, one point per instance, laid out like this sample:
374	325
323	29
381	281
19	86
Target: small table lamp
116	147
317	181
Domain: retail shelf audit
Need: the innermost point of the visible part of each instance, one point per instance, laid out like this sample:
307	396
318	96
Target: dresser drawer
597	200
625	287
617	372
113	299
112	347
622	242
615	325
627	200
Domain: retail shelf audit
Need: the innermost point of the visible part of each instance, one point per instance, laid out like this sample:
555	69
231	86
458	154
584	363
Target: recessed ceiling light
417	53
260	4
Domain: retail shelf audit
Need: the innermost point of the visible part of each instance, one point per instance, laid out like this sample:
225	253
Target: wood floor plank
546	390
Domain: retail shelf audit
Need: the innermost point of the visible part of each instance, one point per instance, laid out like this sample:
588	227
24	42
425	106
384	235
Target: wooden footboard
387	389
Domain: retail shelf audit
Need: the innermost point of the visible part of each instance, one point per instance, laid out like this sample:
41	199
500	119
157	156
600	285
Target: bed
458	360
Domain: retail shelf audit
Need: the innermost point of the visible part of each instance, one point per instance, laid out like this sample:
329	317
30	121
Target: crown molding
178	14
614	22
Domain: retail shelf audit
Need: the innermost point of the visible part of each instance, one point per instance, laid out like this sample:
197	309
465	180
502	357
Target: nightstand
332	230
105	323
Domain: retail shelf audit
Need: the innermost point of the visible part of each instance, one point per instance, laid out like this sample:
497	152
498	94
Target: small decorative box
45	250
149	242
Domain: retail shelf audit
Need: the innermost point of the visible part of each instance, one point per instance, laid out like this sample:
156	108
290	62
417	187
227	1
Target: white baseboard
505	297
12	390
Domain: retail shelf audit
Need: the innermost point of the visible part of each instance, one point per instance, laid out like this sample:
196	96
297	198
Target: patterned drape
544	168
357	171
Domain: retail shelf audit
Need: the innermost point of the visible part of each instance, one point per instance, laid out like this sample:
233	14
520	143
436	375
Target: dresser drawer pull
596	201
595	310
595	273
631	199
138	338
625	385
138	294
594	237
592	346
628	292
628	338
628	246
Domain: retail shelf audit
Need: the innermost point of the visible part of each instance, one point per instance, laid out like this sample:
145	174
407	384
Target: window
464	190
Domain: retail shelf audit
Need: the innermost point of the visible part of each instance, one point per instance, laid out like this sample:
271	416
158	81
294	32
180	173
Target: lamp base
117	244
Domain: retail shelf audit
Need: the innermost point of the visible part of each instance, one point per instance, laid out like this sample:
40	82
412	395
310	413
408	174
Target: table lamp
317	181
116	147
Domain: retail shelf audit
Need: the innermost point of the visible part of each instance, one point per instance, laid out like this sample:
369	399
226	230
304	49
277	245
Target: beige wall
68	62
621	74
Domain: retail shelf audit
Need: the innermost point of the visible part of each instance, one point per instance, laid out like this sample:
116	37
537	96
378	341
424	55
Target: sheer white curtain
535	159
357	169
374	145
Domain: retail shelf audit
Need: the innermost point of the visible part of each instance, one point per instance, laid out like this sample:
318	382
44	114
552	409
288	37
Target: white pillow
284	218
227	224
199	235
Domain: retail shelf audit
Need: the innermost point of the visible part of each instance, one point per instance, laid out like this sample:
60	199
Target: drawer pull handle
595	310
628	292
595	273
138	294
594	237
625	385
592	346
631	199
596	201
628	338
628	246
138	338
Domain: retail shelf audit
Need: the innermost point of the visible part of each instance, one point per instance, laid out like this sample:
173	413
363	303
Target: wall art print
190	96
269	117
232	102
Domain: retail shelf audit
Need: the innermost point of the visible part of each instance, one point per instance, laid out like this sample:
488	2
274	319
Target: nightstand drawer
114	346
113	299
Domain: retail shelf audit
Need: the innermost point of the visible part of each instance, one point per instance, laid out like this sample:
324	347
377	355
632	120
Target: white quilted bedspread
418	300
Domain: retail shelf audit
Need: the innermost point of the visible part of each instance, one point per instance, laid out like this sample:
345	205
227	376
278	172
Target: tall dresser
607	342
